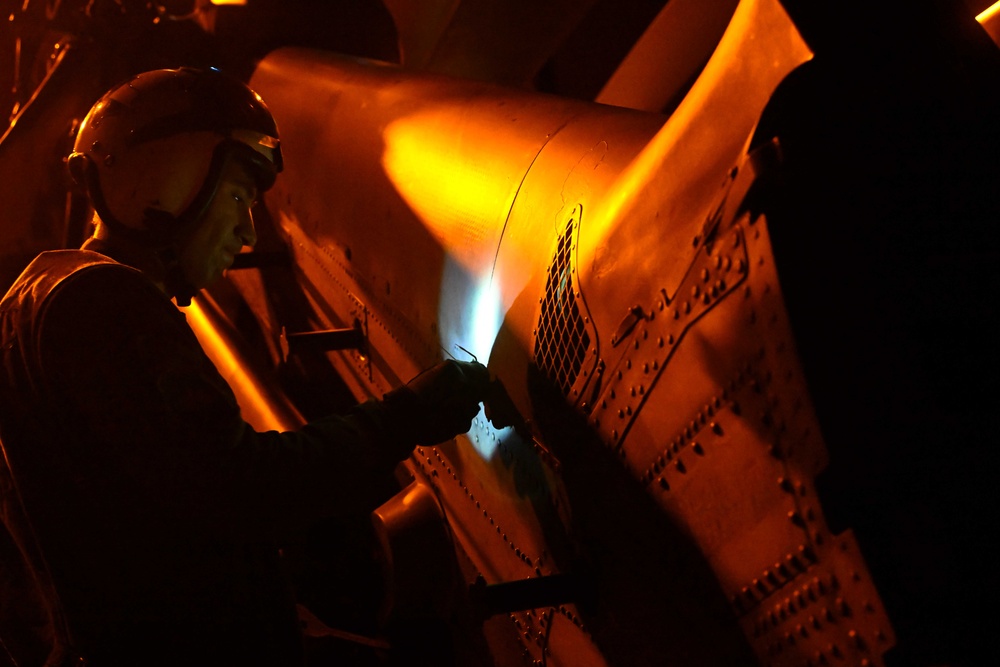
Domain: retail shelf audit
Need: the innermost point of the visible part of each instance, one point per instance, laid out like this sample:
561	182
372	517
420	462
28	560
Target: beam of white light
469	311
469	318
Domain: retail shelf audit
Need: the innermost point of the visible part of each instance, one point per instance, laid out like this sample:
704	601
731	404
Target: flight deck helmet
151	151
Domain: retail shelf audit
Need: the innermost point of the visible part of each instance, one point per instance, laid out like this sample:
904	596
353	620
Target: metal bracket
632	318
359	312
354	337
351	338
257	260
741	182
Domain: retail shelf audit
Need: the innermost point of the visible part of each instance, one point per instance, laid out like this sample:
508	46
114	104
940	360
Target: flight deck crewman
146	507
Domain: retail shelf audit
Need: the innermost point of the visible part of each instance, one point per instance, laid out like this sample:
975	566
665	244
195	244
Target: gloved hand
439	403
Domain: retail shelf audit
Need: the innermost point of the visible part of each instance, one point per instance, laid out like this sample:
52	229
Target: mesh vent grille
562	341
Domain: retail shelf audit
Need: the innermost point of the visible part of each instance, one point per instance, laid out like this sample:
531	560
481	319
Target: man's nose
246	231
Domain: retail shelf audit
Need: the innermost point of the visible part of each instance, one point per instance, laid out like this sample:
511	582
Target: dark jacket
155	507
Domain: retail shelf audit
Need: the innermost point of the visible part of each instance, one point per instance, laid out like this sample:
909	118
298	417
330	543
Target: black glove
439	403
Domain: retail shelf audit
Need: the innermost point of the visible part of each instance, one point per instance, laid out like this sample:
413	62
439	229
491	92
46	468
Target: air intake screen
562	341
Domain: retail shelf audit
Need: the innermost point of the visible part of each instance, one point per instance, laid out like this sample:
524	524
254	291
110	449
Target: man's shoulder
56	270
80	280
61	264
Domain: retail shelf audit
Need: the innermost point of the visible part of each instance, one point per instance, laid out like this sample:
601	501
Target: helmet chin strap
173	278
176	229
168	253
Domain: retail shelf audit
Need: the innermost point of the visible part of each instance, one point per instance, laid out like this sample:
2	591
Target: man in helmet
153	154
146	508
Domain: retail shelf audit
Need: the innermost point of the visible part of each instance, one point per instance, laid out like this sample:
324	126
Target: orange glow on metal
988	13
760	36
229	2
990	20
452	195
256	407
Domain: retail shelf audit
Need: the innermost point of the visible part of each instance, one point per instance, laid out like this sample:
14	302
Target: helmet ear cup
78	164
83	171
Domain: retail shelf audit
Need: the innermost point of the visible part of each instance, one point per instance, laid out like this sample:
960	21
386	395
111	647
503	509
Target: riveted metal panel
708	407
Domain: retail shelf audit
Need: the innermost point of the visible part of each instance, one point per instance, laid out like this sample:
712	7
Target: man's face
225	229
